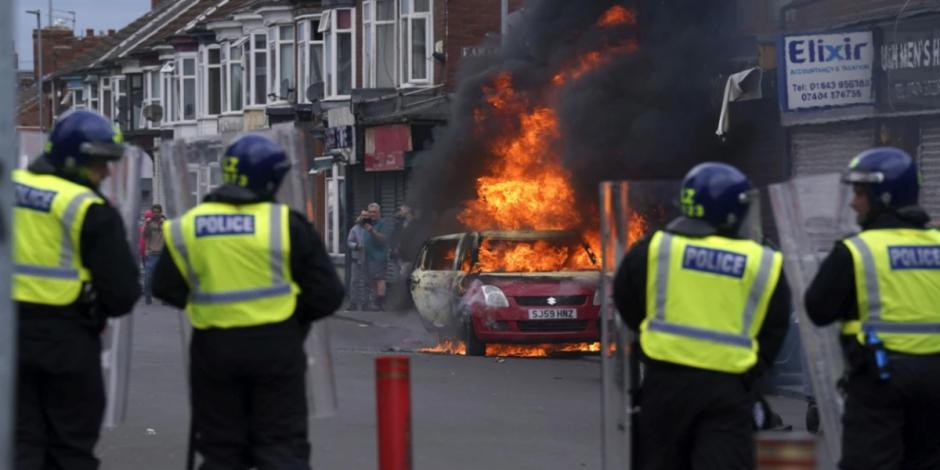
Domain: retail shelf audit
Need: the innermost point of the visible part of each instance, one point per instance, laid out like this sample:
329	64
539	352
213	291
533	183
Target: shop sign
826	70
910	61
386	147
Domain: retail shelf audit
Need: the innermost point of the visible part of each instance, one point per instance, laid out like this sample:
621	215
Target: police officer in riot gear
252	276
73	268
712	310
883	284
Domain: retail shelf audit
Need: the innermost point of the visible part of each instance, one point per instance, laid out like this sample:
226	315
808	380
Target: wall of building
825	14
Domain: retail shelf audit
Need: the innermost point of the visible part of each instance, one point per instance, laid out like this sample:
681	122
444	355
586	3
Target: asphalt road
468	413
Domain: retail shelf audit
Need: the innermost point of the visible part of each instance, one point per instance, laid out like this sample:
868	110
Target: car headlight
494	297
597	297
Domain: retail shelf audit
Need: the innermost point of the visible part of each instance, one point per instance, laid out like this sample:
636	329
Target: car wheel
475	347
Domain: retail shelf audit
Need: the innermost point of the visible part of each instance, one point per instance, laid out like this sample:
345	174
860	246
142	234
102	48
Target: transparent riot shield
813	212
295	191
7	164
629	211
123	190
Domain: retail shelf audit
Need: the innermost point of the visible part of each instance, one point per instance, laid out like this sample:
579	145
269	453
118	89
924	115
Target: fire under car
508	287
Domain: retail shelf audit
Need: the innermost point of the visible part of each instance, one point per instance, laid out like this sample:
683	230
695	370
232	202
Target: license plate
553	314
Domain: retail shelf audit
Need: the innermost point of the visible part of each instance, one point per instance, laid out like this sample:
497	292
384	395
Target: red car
509	287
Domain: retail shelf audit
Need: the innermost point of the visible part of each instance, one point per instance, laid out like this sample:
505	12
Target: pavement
468	412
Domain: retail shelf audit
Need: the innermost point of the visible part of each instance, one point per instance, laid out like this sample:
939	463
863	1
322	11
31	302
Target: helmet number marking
689	207
230	172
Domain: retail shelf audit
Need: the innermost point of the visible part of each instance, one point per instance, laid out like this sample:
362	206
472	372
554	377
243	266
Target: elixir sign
827	70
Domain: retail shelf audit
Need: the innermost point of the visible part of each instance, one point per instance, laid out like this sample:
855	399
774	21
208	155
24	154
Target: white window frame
204	87
331	43
229	108
151	75
106	95
370	50
170	91
276	68
307	31
406	33
78	102
116	95
181	79
252	102
92	95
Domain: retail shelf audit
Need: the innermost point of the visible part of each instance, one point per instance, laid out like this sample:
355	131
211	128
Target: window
136	98
310	51
235	77
152	94
285	63
120	101
258	69
339	44
107	100
93	96
170	91
78	98
214	90
187	87
416	40
378	18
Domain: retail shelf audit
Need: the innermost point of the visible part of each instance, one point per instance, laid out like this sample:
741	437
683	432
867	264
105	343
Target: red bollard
393	407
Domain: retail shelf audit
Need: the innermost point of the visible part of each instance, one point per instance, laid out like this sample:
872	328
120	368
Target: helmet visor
102	150
862	177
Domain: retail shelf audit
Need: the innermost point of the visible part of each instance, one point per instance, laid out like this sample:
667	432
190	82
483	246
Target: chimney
111	32
89	33
155	3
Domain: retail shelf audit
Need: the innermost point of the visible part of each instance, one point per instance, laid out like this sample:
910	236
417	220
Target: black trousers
692	419
60	395
248	397
893	425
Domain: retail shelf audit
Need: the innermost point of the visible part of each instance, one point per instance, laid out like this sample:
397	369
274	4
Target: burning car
509	287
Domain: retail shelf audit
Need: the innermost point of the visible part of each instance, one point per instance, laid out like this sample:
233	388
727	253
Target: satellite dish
153	112
314	92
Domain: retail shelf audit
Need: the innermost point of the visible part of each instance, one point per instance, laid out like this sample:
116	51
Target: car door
434	278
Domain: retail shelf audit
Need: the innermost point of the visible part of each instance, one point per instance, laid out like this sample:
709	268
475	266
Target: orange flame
528	188
455	347
617	15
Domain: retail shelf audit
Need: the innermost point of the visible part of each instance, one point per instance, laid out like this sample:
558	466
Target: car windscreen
439	255
502	255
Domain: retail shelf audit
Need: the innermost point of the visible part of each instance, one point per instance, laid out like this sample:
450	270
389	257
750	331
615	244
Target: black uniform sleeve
321	291
630	285
168	282
107	255
831	295
774	330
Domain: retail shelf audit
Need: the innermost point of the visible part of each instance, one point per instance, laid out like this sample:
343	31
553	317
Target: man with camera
375	244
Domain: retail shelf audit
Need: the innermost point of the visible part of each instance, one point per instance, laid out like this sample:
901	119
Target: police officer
252	276
884	286
73	268
712	310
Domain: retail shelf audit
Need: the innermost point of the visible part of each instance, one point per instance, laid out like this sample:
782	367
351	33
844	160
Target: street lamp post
39	63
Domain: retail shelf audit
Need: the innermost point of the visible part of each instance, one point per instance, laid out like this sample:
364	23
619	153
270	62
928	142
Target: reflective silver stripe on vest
176	230
44	271
871	278
68	219
757	290
277	288
66	268
660	324
902	328
662	275
743	341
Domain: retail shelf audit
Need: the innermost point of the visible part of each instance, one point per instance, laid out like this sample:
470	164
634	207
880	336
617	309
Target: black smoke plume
643	115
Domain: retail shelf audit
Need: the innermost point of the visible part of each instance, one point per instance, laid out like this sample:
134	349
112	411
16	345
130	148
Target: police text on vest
28	197
712	261
914	257
211	225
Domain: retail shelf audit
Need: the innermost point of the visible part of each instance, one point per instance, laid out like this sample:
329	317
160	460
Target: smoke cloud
647	114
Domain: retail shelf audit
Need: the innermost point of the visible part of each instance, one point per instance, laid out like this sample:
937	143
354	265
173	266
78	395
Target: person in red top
141	242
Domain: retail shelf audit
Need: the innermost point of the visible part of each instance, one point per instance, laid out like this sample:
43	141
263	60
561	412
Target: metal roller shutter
829	148
929	161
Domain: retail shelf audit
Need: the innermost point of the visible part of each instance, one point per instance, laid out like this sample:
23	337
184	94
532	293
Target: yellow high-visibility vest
236	261
706	300
897	280
48	218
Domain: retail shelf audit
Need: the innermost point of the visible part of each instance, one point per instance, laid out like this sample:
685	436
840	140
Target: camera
366	220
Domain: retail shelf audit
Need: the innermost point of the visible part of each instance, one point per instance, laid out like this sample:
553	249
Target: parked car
508	287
